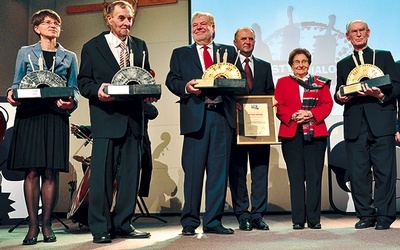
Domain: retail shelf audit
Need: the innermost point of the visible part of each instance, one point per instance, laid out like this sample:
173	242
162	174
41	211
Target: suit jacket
98	65
287	94
150	113
397	104
263	83
380	116
185	65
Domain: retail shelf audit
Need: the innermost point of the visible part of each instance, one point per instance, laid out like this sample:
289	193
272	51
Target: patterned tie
249	75
123	56
207	57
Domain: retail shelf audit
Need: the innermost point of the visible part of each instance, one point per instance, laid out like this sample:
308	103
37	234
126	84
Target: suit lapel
105	52
60	55
37	51
195	55
137	55
256	65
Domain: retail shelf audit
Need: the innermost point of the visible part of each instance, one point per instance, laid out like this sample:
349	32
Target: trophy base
43	93
136	91
222	86
383	82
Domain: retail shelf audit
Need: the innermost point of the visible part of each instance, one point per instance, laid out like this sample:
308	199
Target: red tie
207	58
249	75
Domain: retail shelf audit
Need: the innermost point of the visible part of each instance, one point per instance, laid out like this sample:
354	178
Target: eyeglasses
303	62
49	23
355	31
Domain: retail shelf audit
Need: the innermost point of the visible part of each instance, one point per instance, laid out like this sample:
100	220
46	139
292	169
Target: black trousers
372	168
305	162
113	160
258	156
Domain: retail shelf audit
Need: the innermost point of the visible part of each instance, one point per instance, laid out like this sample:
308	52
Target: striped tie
123	55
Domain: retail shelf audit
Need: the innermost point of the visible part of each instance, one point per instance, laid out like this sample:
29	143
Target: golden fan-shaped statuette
363	71
222	70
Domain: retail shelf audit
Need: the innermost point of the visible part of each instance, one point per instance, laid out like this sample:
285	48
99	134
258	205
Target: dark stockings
48	192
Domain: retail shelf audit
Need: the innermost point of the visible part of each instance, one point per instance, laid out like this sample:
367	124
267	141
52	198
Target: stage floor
337	233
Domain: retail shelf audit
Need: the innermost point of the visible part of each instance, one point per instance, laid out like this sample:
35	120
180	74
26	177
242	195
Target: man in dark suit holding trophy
369	129
116	127
206	123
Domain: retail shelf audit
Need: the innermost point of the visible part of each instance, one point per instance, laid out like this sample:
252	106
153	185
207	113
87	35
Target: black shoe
245	225
29	241
218	230
314	225
135	234
298	226
102	238
365	223
188	230
259	224
382	225
49	239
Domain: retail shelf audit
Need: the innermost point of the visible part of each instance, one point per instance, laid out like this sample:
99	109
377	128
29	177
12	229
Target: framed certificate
256	123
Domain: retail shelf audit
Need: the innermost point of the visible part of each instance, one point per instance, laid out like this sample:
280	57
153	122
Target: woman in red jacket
303	103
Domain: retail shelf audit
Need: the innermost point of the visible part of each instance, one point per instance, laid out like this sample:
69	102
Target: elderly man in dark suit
259	82
369	129
116	128
206	123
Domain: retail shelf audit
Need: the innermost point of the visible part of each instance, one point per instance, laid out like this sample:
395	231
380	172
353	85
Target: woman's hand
11	100
65	104
302	116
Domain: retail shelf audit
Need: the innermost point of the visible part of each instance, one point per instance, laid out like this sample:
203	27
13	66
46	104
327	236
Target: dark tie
123	56
207	57
249	75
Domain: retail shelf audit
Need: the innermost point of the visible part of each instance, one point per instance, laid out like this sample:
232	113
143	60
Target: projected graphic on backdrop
281	26
319	26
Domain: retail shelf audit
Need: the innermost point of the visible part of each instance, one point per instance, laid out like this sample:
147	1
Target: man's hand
103	96
374	91
239	106
191	89
397	136
343	98
150	99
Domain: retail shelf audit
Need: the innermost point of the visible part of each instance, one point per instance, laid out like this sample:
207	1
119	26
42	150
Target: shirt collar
242	58
210	45
115	41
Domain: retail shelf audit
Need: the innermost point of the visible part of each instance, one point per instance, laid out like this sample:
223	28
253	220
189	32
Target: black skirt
40	140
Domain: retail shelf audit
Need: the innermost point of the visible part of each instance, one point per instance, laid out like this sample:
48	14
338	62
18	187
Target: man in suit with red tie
258	76
207	123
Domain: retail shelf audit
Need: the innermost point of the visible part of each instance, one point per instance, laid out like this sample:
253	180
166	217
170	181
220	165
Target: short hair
356	21
299	51
244	28
39	16
120	3
208	15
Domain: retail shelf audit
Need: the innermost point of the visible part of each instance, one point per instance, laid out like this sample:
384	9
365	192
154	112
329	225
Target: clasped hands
302	116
